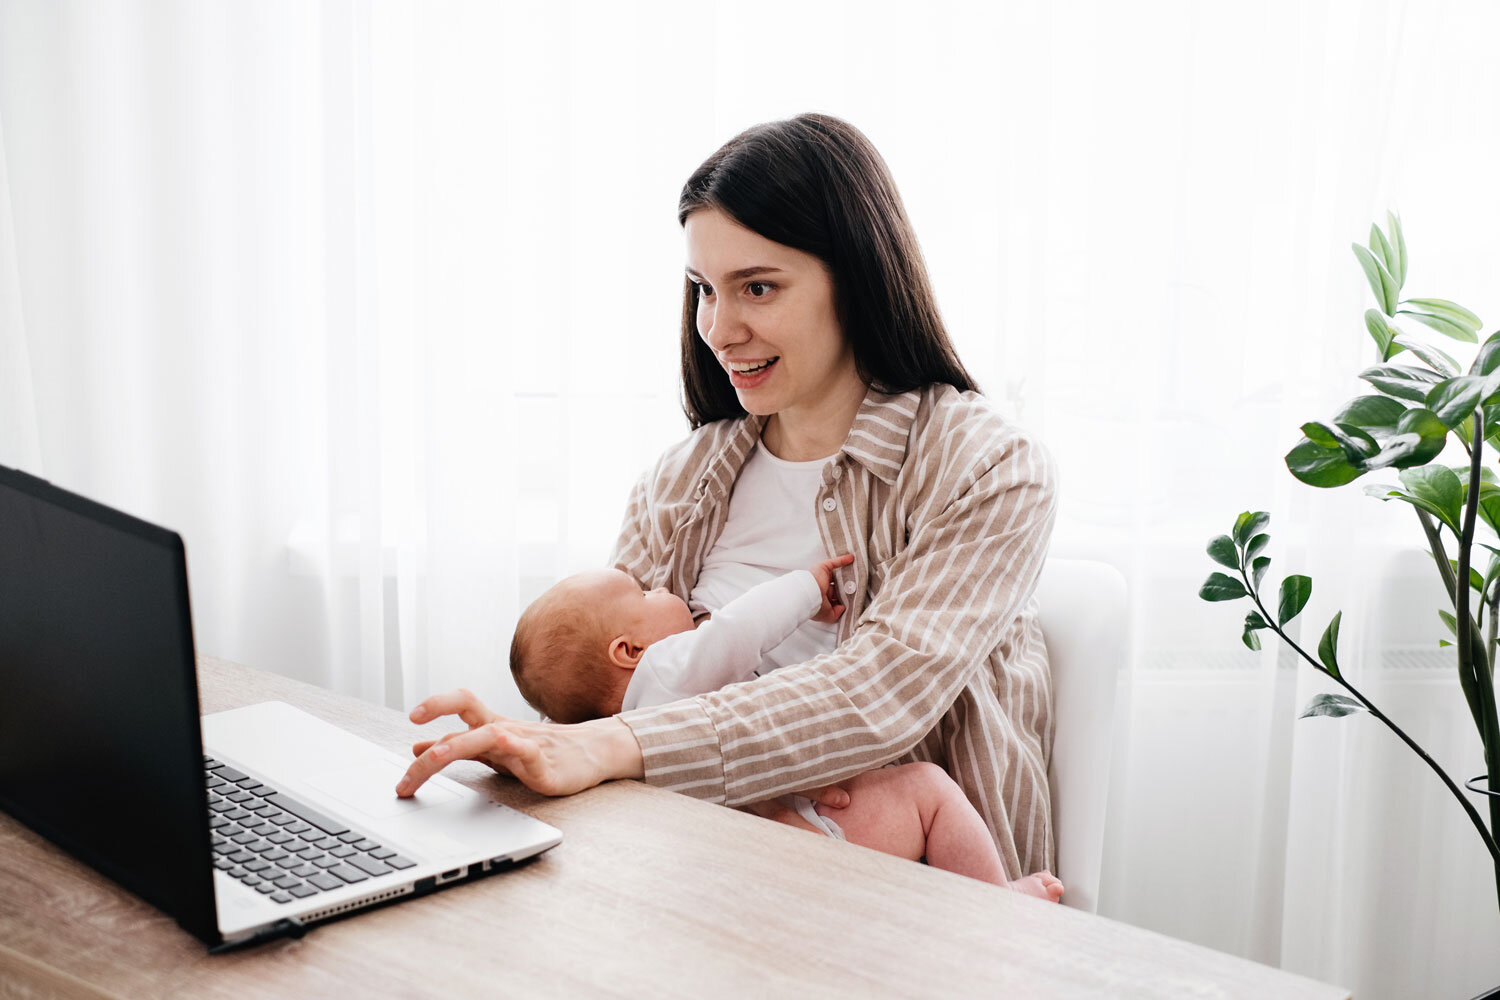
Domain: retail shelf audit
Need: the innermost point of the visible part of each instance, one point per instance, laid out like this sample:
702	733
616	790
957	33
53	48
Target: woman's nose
726	330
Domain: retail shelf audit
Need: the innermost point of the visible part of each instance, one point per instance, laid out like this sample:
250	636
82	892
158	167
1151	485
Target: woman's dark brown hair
816	184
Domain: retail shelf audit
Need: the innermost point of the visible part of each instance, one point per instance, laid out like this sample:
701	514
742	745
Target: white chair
1083	617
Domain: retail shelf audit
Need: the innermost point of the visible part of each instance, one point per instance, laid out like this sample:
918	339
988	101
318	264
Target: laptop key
229	773
399	862
303	890
326	843
275	854
280	837
223	864
239	796
286	882
369	865
316	837
244	837
348	874
342	851
236	813
303	871
351	837
366	845
281	897
290	861
307	813
297	826
382	853
323	880
325	862
241	856
250	880
257	865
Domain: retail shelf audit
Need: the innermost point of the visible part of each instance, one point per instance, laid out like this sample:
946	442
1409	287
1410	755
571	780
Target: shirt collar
877	440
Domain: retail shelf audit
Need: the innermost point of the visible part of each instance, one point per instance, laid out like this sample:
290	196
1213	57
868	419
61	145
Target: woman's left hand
548	758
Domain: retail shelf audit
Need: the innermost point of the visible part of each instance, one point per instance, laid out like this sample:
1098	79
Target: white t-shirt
771	529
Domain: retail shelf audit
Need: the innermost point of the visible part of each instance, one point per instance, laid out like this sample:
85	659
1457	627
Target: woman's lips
754	379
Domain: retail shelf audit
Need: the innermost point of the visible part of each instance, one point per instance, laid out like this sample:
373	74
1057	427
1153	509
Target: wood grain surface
650	894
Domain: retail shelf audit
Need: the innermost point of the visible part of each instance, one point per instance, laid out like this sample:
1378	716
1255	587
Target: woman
830	414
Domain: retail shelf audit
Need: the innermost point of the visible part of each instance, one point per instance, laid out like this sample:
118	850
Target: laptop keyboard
282	847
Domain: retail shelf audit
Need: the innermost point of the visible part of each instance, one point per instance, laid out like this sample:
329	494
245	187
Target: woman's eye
761	284
703	290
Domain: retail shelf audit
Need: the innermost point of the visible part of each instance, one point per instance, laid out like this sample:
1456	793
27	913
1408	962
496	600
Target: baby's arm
728	648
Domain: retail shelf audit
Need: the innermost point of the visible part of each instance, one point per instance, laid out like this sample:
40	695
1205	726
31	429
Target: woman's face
767	312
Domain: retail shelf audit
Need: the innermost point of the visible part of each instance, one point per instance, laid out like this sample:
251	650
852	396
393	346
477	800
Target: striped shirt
947	509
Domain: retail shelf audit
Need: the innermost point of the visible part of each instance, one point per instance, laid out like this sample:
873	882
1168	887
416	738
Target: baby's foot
1043	885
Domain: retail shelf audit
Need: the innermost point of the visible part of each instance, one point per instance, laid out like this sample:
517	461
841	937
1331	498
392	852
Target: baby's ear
623	653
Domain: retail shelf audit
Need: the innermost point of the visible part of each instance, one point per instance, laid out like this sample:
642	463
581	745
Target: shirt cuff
679	748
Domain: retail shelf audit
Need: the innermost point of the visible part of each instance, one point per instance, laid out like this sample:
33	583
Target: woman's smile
749	375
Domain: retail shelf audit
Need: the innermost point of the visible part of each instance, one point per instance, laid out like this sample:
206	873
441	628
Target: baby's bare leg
916	809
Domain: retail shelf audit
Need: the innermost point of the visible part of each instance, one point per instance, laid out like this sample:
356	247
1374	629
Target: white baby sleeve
728	647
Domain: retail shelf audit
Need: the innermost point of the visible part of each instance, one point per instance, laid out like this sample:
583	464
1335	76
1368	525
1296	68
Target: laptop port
449	876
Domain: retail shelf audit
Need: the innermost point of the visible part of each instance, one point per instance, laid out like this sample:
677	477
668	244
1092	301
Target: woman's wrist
614	749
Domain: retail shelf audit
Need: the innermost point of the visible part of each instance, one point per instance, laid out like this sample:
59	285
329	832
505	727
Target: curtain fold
377	303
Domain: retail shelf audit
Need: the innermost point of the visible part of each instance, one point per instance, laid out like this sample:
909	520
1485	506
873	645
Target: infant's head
576	645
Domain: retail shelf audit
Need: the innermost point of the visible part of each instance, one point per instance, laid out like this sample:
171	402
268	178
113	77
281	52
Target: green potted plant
1421	397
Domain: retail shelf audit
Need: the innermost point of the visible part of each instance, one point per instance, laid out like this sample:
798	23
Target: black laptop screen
99	732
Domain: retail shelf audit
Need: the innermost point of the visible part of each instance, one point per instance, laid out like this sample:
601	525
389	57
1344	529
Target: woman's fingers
461	702
490	744
420	747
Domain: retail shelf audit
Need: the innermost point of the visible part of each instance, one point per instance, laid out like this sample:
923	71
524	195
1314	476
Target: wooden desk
649	894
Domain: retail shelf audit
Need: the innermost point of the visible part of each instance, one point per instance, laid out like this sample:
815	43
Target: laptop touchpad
370	787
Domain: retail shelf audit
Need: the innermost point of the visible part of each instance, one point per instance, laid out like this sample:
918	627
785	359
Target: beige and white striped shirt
947	509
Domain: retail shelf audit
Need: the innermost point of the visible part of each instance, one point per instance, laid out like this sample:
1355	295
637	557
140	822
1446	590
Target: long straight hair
816	183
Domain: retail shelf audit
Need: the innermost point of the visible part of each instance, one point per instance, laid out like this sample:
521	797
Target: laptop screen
100	747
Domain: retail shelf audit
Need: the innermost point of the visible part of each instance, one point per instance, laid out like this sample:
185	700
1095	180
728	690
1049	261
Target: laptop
260	822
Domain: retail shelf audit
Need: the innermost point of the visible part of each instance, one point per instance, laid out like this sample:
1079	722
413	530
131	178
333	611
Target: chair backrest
1082	607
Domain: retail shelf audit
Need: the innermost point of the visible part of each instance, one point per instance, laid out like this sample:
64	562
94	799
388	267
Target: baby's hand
832	607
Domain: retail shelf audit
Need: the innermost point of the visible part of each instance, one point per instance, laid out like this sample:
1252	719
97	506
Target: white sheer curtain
376	303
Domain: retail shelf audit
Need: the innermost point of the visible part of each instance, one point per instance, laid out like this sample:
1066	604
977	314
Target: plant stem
1480	673
1478	821
1435	542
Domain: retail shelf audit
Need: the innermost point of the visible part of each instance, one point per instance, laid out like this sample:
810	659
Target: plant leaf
1393	225
1258	570
1449	621
1384	334
1440	488
1454	399
1248	523
1443	325
1249	638
1381	282
1402	381
1254	546
1431	431
1332	705
1219	587
1452	310
1376	414
1295	590
1223	552
1253	620
1488	358
1437	359
1382	250
1320	466
1328	647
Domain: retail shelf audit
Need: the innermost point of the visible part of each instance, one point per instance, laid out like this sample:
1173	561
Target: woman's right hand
546	757
833	605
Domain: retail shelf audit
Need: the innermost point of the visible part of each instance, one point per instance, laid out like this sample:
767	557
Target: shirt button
829	503
848	586
838	470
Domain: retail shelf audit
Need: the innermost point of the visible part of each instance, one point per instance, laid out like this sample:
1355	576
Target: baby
596	644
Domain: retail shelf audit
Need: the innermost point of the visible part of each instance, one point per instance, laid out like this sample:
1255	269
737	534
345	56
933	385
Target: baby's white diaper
804	807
